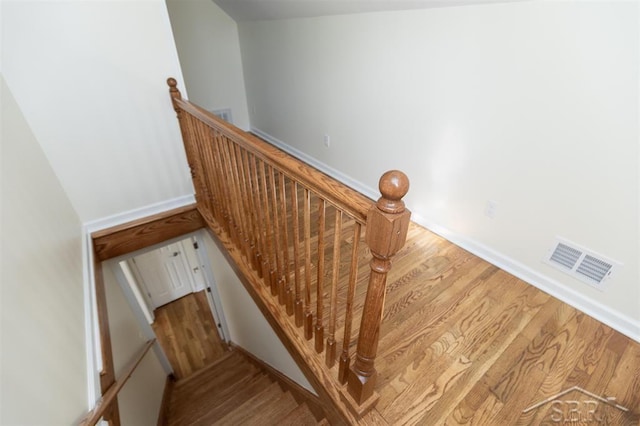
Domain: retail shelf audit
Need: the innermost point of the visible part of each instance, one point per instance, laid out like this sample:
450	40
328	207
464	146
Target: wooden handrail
282	217
343	197
111	394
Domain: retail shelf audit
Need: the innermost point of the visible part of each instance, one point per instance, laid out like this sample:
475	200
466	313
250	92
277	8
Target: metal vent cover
565	255
224	114
583	264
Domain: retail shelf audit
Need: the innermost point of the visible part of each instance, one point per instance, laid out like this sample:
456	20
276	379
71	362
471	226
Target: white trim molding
622	323
326	169
92	332
626	325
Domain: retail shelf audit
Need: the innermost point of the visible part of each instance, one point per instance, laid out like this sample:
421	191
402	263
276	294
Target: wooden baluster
261	221
233	199
279	288
268	229
250	198
308	316
215	163
387	225
298	306
319	328
239	201
244	205
200	138
288	295
222	167
211	175
330	355
343	368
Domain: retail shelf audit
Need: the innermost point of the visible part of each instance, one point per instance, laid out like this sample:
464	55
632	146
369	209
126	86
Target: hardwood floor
463	342
232	392
188	334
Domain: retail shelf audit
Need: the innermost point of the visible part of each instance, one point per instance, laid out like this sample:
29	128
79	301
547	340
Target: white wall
43	372
533	105
209	51
140	399
90	79
247	326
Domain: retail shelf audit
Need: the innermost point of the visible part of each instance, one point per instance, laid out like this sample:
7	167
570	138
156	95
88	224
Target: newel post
174	92
386	233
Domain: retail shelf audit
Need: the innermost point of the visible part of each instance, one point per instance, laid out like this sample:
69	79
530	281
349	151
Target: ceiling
254	10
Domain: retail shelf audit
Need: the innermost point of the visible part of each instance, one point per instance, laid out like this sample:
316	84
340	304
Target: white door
165	274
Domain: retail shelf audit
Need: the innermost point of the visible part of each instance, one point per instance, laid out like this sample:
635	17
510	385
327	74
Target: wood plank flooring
464	342
188	334
232	391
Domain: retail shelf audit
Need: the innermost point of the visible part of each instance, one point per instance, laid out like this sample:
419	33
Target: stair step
217	402
300	416
229	363
274	412
234	397
253	407
219	383
233	391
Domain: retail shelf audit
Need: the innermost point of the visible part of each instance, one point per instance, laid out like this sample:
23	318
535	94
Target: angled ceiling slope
255	10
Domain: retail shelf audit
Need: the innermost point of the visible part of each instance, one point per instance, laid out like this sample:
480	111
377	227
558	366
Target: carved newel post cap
173	87
393	186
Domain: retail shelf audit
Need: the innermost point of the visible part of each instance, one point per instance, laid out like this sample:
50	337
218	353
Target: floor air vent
225	114
581	263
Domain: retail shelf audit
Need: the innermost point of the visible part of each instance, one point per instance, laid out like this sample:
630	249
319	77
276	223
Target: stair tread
274	412
218	402
256	406
229	363
218	380
225	385
300	416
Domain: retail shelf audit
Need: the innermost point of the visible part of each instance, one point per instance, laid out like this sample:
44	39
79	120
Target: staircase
232	392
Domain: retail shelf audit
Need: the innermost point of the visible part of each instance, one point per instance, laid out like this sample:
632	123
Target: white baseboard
326	169
139	213
622	323
626	325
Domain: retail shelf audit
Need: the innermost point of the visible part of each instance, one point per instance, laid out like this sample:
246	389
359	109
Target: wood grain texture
138	234
188	334
235	391
301	394
348	200
461	342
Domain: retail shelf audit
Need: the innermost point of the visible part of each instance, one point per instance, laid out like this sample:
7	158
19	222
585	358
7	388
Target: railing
301	233
111	395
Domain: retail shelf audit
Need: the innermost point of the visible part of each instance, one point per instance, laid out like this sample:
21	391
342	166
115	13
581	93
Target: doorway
172	287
